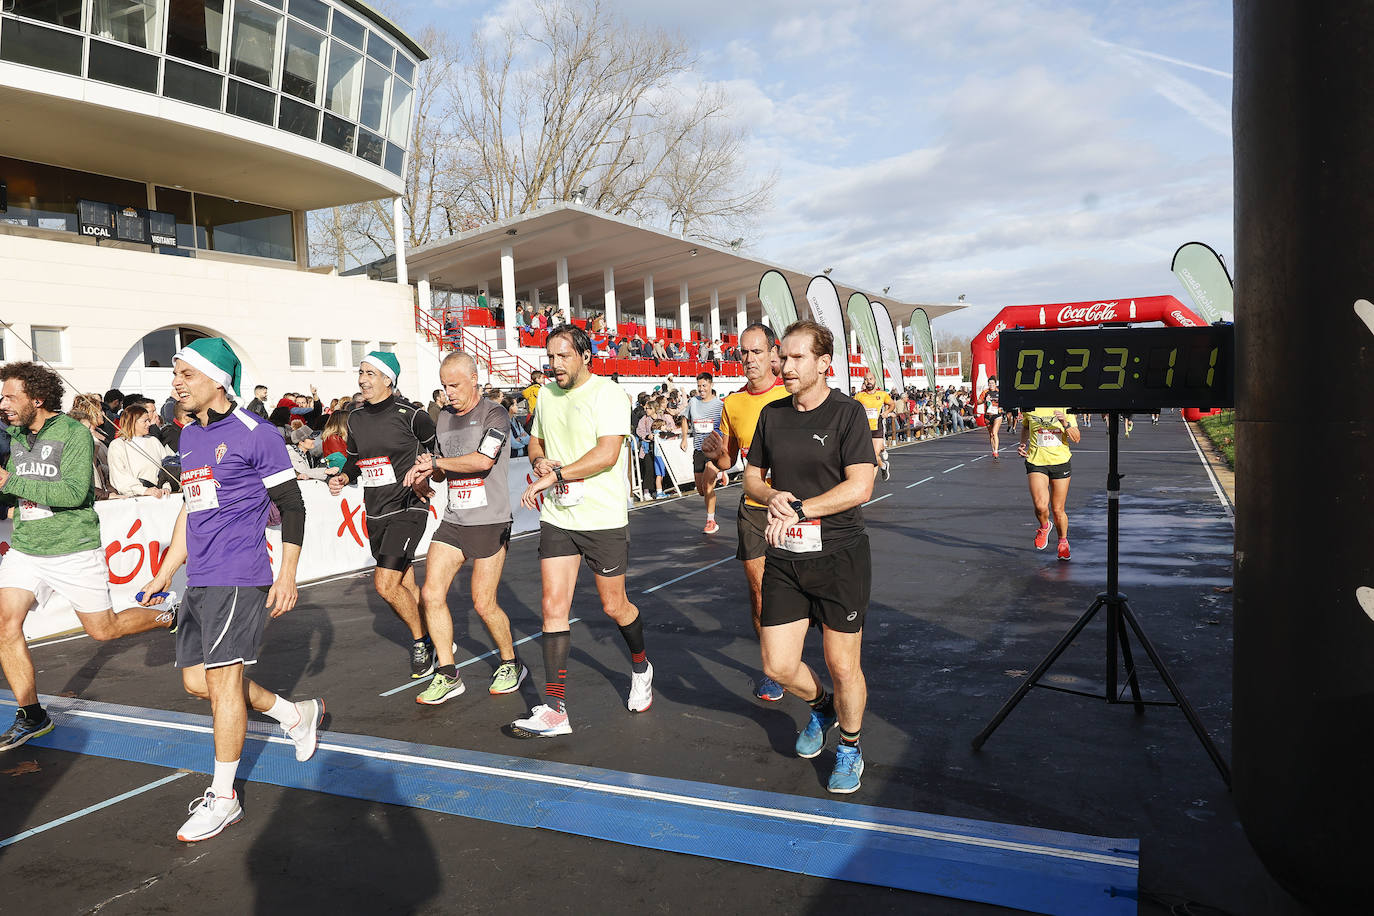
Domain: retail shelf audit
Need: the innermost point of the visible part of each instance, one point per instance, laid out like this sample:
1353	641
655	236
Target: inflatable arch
1068	315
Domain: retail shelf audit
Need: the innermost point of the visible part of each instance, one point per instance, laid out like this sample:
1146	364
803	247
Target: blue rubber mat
1025	868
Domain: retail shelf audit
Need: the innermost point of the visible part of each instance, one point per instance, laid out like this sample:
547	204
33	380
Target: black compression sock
33	712
824	704
633	633
449	671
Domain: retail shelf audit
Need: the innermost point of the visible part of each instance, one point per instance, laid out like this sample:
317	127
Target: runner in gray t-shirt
474	464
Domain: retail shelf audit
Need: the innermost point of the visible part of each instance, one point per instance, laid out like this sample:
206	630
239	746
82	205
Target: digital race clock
1131	369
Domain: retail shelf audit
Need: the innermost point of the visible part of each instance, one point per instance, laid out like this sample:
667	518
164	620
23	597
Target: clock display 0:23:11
1118	368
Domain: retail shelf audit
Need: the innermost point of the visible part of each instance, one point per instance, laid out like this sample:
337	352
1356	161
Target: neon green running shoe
508	677
441	688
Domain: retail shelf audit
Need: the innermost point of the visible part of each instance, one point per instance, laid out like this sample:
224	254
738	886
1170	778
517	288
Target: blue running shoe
812	738
23	729
769	690
849	766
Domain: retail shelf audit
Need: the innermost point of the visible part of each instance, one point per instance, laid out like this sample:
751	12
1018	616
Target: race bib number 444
377	472
198	489
802	537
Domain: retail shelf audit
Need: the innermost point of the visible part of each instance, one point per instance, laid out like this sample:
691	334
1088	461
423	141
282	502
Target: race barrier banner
135	535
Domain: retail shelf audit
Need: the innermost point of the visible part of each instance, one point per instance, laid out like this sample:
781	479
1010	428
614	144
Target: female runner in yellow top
1045	436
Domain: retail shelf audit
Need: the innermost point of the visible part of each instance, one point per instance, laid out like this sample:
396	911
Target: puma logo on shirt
820	439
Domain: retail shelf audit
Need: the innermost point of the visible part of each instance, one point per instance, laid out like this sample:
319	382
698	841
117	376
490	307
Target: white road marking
686	576
955	468
876	498
93	808
918	483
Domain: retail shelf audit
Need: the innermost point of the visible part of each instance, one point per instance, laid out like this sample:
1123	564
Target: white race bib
30	511
377	472
872	412
568	493
467	493
802	537
199	490
1046	438
702	427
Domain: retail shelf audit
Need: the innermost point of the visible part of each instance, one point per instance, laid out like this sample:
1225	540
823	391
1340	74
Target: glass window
329	354
338	133
295	350
299	119
159	347
395	159
405	68
58	12
122	66
371	147
195	31
300	72
386	347
134	22
348	29
45	196
250	102
242	228
374	95
35	46
399	122
311	11
191	84
47	343
359	350
253	52
379	50
342	81
178	203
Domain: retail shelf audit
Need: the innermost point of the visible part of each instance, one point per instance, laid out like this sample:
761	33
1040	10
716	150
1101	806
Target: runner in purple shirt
234	467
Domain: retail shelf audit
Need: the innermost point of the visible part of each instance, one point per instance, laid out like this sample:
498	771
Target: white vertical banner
824	300
887	340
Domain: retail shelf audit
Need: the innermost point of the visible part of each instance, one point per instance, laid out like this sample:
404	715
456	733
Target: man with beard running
474	459
385	439
877	406
758	349
577	447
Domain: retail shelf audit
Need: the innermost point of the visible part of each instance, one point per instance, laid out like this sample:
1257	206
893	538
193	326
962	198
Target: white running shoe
542	723
305	733
209	815
641	690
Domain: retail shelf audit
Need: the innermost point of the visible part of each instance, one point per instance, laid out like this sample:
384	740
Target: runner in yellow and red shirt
758	347
877	404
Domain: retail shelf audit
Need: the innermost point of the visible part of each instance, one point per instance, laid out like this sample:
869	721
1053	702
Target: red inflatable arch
1067	315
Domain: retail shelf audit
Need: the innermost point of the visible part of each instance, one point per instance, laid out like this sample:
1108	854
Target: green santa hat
385	363
214	357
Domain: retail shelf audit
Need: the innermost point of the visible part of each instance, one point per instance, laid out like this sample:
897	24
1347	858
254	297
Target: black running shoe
23	729
422	658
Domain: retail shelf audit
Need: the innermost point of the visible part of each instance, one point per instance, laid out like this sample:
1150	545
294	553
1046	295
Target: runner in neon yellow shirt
1045	436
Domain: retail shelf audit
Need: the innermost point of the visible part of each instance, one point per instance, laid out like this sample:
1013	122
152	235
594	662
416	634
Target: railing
505	368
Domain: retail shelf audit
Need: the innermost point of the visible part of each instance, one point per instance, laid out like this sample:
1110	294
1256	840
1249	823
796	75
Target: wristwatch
558	472
796	505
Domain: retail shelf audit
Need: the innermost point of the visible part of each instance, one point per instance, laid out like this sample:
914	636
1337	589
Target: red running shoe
1063	548
711	527
1042	537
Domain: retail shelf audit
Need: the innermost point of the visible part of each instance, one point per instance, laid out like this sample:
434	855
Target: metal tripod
1118	611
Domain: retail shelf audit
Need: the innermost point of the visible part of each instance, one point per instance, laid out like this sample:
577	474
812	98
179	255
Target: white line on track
669	797
1216	484
876	498
53	642
955	468
685	576
918	483
476	658
980	458
93	808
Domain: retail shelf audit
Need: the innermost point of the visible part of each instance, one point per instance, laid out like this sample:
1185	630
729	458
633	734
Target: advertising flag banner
776	297
887	339
924	339
866	329
1204	276
824	300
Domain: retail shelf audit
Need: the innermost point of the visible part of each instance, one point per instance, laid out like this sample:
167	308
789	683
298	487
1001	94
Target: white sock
223	782
285	712
710	516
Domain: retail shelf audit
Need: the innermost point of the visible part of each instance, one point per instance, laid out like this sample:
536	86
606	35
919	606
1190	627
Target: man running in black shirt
817	570
385	438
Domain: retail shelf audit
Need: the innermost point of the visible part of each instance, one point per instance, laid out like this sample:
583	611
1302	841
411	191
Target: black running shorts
830	590
221	625
751	524
393	539
606	552
699	461
1052	471
477	542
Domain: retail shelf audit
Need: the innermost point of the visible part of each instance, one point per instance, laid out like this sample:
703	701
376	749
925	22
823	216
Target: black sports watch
796	505
558	473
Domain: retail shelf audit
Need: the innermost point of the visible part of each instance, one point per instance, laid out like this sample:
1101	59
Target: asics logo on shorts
820	439
852	615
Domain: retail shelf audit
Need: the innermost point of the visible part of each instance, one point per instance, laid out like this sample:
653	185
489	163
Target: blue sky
1014	152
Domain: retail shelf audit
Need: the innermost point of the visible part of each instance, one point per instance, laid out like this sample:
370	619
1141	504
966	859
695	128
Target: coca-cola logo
1182	319
992	335
1092	314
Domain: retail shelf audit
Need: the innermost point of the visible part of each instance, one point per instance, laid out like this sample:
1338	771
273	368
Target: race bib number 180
198	489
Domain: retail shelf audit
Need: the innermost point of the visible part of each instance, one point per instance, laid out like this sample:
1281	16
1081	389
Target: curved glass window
36	46
379	50
243	228
133	22
195	31
400	112
311	11
404	68
301	63
350	30
121	66
252	54
374	95
58	12
343	81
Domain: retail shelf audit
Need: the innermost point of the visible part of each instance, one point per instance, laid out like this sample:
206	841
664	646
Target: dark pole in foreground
1304	641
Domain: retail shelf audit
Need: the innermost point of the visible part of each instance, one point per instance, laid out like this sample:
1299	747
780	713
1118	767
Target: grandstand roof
592	240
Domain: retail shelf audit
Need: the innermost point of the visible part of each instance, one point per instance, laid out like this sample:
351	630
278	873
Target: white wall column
581	309
650	319
608	282
684	313
534	300
564	306
508	296
398	225
766	323
422	295
741	313
715	315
